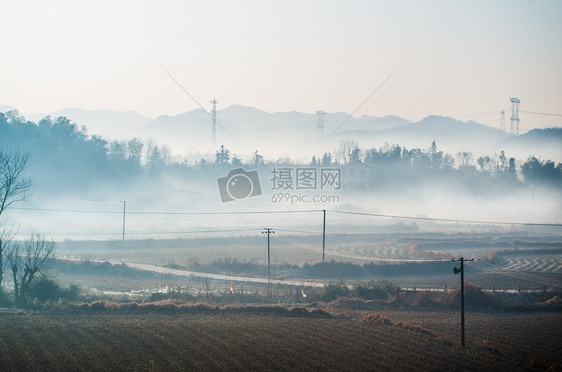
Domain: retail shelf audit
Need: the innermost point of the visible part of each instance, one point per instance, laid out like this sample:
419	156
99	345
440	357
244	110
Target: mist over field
81	180
281	185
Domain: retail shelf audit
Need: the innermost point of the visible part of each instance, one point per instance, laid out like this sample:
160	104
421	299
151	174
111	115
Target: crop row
77	340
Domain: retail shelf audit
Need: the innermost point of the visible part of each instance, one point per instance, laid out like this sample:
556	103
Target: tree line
64	152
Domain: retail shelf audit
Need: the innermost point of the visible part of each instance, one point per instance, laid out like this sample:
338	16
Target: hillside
452	135
546	143
295	134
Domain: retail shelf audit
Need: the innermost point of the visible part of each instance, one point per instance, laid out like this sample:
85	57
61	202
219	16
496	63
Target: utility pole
502	122
324	236
214	127
124	209
456	271
320	123
268	231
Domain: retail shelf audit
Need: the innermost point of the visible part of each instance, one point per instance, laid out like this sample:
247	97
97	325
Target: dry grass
167	306
381	319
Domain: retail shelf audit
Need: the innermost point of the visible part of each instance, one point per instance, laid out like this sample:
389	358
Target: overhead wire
449	219
362	103
519	274
369	275
491	268
309	122
193	98
188	279
539	113
193	232
293	241
295	211
165	213
479	114
519	278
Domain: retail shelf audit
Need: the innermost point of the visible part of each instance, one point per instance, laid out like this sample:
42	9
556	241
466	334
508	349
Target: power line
486	266
158	232
362	103
190	232
91	201
479	114
67	210
494	269
276	126
301	231
297	211
202	263
193	98
451	220
164	213
539	113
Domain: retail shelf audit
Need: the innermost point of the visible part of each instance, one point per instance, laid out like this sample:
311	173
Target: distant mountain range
246	129
102	122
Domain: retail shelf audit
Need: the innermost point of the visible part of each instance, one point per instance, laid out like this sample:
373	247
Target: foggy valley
281	185
96	172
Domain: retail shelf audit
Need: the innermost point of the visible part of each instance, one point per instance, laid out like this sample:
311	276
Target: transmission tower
502	122
515	116
320	123
214	130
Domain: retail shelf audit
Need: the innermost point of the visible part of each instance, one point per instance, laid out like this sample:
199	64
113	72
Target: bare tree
6	236
14	259
35	256
348	150
13	182
464	158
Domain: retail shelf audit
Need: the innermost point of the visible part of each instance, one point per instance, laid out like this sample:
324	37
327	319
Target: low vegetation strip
172	306
381	319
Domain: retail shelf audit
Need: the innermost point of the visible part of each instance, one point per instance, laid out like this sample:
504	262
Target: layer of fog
157	212
75	205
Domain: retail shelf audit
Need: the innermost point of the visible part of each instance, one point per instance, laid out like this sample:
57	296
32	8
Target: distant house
358	175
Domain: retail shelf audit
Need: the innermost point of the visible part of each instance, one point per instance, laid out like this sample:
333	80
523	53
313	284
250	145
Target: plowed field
141	340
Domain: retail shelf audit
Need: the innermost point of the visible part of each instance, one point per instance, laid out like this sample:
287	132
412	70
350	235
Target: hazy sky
462	57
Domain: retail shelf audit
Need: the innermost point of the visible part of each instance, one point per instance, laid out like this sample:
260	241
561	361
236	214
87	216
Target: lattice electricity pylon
515	116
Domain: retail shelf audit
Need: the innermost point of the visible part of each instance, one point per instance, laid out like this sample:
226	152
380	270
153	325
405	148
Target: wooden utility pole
456	271
324	236
124	208
268	231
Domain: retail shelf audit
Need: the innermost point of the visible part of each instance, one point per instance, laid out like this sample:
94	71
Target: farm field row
145	340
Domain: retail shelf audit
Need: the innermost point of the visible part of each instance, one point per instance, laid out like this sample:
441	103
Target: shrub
299	310
333	290
372	289
320	312
128	306
165	305
474	296
423	298
99	305
171	295
5	300
46	289
376	319
415	328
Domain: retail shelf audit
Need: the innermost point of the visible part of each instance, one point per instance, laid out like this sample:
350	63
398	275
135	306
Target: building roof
357	163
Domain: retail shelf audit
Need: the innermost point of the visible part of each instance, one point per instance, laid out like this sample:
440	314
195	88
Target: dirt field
237	340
